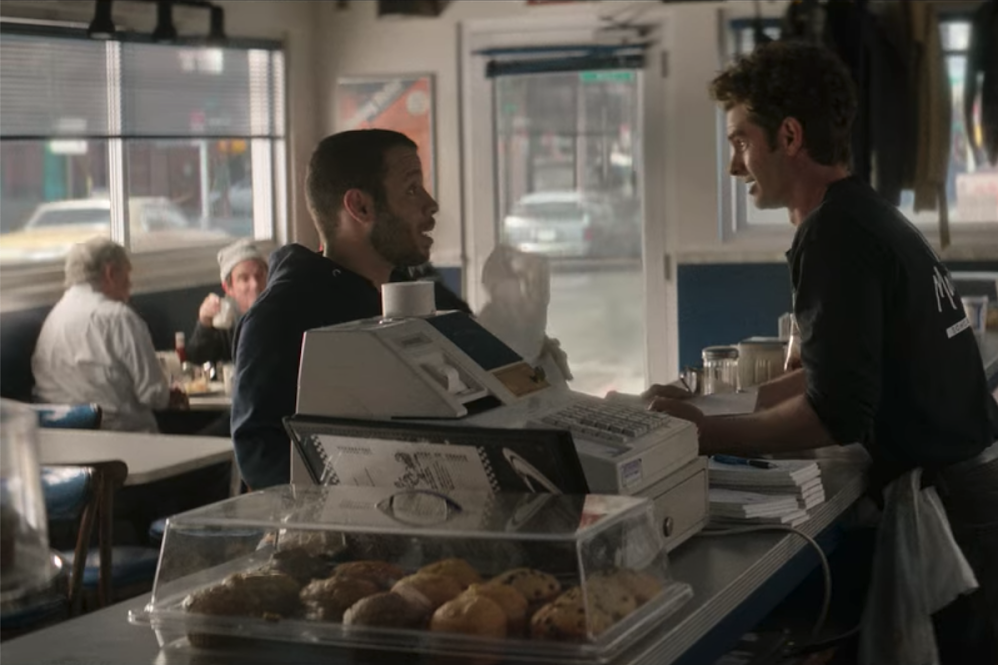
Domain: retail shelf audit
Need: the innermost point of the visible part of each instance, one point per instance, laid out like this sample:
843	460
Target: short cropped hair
344	161
86	261
808	82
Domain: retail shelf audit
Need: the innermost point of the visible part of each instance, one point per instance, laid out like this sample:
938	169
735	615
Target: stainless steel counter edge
845	483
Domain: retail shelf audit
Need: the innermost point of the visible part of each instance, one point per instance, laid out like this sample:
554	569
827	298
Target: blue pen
744	461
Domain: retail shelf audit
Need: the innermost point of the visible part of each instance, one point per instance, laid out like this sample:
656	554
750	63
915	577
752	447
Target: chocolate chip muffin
569	621
384	610
459	569
328	599
536	586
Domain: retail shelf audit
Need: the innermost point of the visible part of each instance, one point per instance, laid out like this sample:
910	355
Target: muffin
273	593
512	602
428	590
327	600
300	564
536	586
642	586
568	621
384	610
470	614
459	569
382	573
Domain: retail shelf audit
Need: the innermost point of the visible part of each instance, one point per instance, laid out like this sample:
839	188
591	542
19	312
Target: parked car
574	224
154	223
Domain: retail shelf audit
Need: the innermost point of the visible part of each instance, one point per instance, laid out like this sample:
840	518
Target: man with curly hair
888	356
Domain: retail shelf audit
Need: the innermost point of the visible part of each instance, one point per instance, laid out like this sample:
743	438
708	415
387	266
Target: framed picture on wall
403	103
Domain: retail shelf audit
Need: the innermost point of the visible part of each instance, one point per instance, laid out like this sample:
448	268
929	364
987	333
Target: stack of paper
781	494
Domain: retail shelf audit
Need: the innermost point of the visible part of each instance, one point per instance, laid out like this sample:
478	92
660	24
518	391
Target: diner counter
989	354
724	572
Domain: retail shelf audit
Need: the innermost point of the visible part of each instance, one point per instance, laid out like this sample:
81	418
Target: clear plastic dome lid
25	562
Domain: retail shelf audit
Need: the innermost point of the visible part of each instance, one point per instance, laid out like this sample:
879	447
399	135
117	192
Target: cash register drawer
681	502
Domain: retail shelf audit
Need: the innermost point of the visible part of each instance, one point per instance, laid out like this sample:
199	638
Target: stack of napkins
782	494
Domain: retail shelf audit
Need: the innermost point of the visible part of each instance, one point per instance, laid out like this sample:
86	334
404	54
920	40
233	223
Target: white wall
290	21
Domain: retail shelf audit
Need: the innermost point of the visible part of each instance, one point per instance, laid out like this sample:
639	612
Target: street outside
598	316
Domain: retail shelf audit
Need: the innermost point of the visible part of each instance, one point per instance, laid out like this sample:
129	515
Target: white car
53	228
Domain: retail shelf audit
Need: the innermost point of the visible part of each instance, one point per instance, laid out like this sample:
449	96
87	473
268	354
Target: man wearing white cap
243	269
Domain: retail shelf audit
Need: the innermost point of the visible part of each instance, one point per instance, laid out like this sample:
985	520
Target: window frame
40	283
969	240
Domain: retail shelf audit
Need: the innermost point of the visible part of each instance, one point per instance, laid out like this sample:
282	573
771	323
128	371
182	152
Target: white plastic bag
519	288
918	569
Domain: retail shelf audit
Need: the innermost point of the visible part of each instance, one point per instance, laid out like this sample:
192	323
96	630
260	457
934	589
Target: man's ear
360	205
791	137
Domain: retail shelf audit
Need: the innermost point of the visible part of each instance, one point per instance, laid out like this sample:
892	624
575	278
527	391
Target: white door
555	167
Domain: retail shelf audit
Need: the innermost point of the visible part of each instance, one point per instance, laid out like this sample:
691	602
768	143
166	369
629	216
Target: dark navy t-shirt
887	350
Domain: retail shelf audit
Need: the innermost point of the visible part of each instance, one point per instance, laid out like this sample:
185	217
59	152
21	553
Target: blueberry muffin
328	599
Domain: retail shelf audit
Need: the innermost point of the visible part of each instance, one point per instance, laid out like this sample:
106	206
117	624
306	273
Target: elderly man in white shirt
94	348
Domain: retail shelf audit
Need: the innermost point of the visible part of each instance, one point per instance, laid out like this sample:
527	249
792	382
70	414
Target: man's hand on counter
672	391
781	389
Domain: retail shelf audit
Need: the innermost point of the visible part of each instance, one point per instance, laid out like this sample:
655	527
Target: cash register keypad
606	422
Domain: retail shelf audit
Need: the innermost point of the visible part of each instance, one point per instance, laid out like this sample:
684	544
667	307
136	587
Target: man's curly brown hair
784	80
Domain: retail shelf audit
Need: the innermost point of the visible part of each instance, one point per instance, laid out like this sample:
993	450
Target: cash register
446	368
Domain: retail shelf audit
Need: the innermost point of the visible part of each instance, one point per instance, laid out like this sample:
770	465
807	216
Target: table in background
149	457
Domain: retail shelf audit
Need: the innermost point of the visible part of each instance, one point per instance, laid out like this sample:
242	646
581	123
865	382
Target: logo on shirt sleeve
944	289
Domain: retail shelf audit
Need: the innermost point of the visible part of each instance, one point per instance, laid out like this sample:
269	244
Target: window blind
53	86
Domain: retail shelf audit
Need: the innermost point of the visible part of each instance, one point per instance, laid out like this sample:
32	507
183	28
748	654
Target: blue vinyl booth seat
68	416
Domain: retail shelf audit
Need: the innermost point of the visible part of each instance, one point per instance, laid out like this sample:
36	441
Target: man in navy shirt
888	356
374	217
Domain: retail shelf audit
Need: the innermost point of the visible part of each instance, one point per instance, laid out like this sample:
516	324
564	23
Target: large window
161	147
972	185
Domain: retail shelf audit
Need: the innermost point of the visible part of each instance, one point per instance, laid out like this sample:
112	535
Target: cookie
606	595
327	600
472	615
300	564
428	589
459	569
643	586
536	586
384	610
512	602
382	573
275	594
568	621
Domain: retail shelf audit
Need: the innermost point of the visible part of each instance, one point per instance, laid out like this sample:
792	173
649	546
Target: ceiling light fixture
102	27
165	30
216	34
